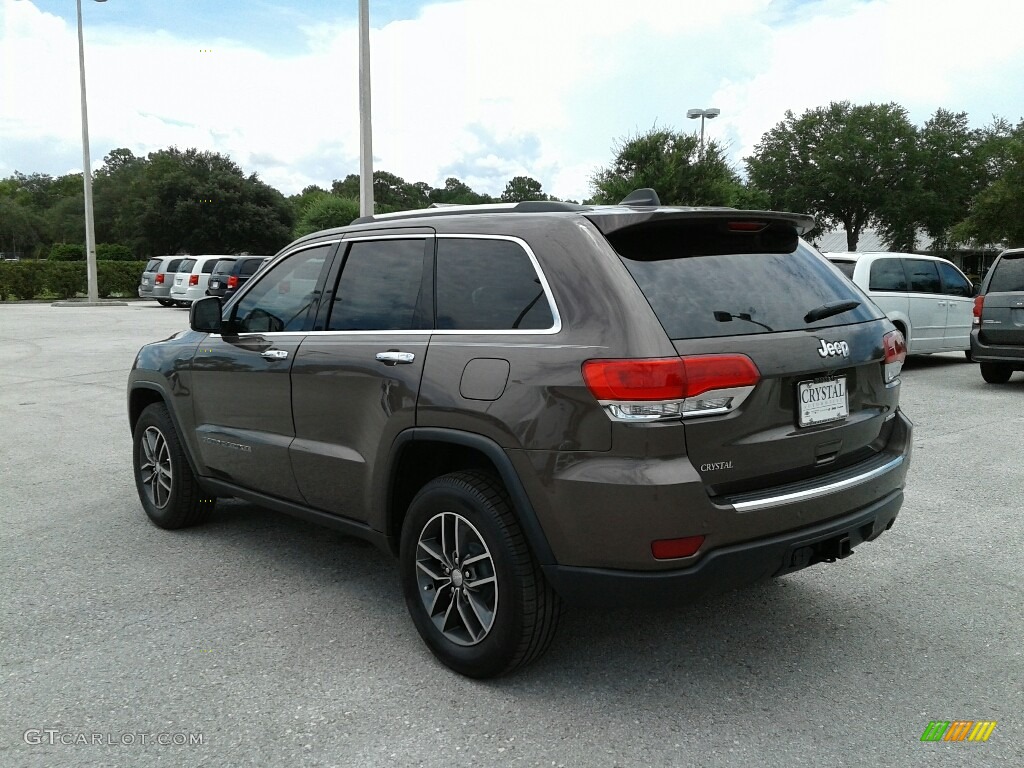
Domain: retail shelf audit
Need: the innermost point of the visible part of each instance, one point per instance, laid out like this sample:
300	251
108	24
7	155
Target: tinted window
186	265
248	267
924	277
152	265
488	285
223	267
172	265
953	283
887	275
1008	275
282	299
728	294
379	289
846	267
208	266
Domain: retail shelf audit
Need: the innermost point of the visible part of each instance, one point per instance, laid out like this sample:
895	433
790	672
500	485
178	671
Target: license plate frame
814	410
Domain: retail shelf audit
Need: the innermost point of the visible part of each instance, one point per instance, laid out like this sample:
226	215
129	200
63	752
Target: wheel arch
420	454
144	394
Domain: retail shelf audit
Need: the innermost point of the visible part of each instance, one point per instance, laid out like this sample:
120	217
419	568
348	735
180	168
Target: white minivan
927	298
192	278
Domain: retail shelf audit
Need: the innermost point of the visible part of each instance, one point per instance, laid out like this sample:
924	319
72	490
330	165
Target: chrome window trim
814	493
411	236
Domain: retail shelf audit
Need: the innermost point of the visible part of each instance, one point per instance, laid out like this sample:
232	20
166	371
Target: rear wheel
475	593
165	302
167	488
996	373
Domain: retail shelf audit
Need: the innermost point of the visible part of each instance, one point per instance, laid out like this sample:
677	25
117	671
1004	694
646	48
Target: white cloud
489	89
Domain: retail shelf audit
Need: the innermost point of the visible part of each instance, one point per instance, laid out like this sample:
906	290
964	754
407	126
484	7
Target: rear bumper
730	566
996	353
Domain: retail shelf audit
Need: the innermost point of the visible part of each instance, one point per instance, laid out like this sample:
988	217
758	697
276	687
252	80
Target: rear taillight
979	305
233	281
670	387
159	279
193	279
895	355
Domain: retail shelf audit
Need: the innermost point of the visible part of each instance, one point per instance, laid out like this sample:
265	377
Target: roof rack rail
527	206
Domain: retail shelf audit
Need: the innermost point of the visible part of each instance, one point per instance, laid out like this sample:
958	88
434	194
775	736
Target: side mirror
205	315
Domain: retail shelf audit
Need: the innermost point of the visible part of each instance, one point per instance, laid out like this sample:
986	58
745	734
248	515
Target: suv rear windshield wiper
830	309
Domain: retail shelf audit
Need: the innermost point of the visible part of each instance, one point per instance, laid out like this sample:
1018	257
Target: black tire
525	608
996	373
177	501
165	302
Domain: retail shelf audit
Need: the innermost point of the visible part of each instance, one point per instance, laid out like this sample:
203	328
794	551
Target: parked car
539	402
192	277
926	297
227	278
997	339
148	280
163	278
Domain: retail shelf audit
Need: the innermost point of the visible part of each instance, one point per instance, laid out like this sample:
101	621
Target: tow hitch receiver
834	549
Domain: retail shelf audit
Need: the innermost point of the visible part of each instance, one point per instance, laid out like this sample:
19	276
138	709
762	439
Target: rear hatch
1002	317
744	284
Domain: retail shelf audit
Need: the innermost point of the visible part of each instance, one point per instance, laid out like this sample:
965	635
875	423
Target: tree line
852	166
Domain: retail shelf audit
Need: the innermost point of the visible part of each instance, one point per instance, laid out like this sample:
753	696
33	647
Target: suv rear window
172	265
223	267
702	282
846	267
1008	275
248	267
152	265
186	265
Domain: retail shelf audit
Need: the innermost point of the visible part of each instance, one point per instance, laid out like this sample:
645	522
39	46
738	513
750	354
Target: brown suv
539	402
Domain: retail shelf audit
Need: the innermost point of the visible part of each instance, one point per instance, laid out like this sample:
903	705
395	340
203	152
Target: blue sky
479	89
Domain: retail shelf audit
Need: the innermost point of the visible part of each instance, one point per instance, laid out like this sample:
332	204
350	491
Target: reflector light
667	549
979	305
746	226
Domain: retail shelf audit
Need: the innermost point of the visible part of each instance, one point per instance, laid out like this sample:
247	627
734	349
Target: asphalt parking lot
280	643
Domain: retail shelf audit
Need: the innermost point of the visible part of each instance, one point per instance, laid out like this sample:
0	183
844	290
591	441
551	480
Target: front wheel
165	302
169	492
475	593
996	373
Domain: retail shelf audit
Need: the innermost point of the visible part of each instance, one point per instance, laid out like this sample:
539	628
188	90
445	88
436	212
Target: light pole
90	227
365	134
710	113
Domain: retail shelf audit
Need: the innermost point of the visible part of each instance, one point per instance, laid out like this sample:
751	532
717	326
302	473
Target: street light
710	113
90	227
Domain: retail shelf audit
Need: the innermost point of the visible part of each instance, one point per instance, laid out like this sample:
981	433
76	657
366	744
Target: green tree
997	212
520	188
202	202
323	211
846	164
458	192
20	227
119	190
669	163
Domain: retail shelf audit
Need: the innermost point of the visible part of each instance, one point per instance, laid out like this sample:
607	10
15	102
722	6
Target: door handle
394	357
275	354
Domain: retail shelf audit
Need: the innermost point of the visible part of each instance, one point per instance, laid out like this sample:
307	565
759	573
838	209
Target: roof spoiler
644	196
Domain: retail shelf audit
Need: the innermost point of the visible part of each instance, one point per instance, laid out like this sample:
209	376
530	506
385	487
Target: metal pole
701	154
365	132
90	233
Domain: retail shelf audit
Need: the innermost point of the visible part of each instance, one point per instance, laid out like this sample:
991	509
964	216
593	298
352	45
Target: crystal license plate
822	401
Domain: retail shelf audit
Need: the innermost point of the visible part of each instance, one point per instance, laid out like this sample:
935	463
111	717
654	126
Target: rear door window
381	287
703	282
924	277
1008	275
489	284
887	275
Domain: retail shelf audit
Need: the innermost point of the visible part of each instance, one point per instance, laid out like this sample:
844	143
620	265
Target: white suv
927	298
